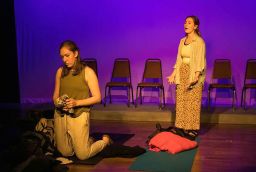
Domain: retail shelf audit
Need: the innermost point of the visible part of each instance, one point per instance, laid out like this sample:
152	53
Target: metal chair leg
209	99
244	99
160	97
128	91
233	100
132	95
109	94
236	100
163	96
141	95
105	99
136	100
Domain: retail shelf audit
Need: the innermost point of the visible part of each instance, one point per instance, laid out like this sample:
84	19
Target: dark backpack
29	154
39	143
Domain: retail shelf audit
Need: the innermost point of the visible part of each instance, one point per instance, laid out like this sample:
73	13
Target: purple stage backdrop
134	29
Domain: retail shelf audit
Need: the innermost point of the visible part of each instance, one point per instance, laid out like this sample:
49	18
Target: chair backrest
121	69
92	63
250	71
153	70
222	69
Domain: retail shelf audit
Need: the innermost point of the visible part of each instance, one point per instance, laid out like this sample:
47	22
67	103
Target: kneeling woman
73	85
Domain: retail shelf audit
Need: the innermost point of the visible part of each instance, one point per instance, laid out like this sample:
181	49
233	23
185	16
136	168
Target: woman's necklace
188	41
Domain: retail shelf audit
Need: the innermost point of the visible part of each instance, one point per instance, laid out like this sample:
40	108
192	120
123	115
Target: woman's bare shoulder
59	70
87	69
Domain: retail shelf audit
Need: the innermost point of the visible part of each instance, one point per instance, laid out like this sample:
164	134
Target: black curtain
9	79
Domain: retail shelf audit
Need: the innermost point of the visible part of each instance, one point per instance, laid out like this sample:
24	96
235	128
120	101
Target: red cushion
167	141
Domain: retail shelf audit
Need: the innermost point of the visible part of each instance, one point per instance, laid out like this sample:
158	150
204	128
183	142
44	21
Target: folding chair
121	77
92	63
250	76
222	72
152	77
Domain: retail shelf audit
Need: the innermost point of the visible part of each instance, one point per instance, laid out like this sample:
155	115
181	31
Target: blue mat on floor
164	162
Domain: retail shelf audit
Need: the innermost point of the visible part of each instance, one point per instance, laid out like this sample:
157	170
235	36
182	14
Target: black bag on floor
158	130
29	154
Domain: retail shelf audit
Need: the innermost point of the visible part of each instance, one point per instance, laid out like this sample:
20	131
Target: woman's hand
171	79
70	103
195	80
56	101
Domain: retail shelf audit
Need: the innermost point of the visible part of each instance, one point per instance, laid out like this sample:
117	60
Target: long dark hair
79	64
196	22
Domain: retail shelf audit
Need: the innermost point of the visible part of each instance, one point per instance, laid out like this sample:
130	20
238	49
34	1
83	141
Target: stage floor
227	142
222	147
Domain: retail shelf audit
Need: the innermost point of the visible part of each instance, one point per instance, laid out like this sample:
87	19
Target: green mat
164	162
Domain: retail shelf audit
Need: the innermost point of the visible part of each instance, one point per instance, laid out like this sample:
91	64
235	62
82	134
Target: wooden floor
222	147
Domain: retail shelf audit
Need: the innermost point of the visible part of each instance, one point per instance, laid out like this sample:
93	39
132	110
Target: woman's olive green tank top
77	88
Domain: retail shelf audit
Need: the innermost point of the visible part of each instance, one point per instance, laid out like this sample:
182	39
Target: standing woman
76	81
189	76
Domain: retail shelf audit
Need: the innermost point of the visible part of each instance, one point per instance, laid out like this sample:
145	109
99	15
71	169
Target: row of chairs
152	78
222	78
121	77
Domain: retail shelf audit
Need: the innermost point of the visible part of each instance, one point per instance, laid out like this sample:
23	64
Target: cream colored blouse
186	53
197	59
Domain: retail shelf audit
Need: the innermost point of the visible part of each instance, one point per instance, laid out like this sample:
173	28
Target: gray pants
72	136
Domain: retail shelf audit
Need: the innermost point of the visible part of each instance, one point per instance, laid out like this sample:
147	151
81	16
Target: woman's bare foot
106	138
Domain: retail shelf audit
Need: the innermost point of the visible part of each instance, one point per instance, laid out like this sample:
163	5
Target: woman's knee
65	151
82	155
